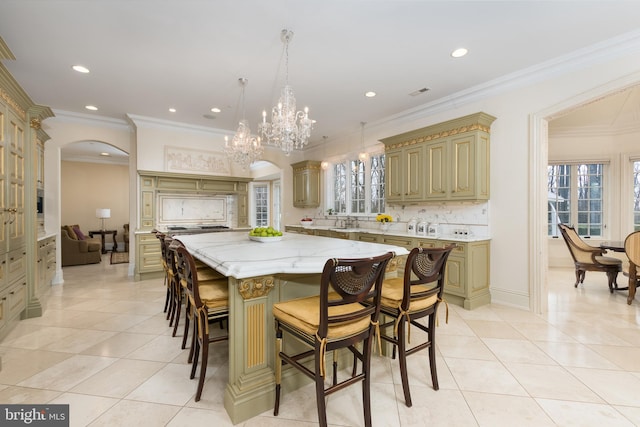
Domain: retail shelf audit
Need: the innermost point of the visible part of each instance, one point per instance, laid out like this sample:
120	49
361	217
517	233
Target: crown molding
90	119
579	59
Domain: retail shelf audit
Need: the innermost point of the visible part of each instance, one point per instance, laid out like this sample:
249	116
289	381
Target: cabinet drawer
406	242
16	265
366	237
17	299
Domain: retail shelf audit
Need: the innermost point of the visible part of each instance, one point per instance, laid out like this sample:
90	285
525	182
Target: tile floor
103	346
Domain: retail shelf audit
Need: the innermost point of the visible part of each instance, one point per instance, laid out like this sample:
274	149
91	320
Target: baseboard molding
510	298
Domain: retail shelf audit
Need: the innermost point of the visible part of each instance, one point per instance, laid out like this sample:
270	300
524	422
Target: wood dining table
618	246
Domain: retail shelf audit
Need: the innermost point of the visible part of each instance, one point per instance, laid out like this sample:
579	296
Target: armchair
76	251
589	258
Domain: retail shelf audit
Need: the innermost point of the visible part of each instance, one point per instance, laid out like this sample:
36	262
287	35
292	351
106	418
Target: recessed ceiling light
172	110
91	107
105	154
370	94
81	69
458	53
215	110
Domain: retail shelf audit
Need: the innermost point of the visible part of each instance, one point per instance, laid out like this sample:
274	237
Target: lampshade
103	213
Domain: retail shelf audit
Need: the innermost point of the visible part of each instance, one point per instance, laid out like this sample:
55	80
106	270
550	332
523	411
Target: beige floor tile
463	347
84	409
132	413
632	414
580	414
484	376
575	354
496	410
551	382
19	364
23	395
41	338
419	372
170	385
624	357
493	329
79	340
163	348
118	379
68	373
119	345
193	417
518	351
541	332
615	387
435	408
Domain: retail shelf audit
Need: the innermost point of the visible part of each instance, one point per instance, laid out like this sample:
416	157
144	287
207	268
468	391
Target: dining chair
209	301
168	301
632	249
415	295
589	258
344	314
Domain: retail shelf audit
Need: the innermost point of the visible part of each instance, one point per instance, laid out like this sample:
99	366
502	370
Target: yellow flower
384	218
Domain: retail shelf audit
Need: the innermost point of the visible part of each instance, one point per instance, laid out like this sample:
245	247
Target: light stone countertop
233	254
392	232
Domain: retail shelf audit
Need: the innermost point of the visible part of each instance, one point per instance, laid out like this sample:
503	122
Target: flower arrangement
384	218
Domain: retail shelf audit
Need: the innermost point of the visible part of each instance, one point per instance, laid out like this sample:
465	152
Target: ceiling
146	56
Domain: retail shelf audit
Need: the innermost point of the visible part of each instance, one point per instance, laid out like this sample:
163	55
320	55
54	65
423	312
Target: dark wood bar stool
343	315
412	297
207	300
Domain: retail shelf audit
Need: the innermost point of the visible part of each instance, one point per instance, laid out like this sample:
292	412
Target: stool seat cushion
304	314
214	293
393	289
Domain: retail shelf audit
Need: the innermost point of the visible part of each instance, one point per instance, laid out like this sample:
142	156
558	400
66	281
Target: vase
384	226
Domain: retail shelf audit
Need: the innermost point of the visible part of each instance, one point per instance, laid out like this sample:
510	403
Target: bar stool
209	301
344	314
406	299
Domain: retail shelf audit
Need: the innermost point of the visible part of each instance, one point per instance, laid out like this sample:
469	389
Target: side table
103	233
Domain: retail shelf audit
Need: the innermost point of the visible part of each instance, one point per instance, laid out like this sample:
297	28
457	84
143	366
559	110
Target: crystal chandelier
243	148
289	129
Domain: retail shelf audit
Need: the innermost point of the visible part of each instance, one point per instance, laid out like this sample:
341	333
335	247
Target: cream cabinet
306	184
467	280
148	254
404	171
444	162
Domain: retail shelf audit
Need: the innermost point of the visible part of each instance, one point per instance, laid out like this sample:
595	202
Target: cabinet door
15	218
414	173
455	276
463	166
394	176
243	210
299	179
437	159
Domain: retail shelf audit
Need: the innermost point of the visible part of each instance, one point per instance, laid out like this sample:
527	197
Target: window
377	184
357	186
261	199
365	191
636	195
576	197
340	188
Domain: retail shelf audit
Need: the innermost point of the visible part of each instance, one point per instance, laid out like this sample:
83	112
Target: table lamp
103	214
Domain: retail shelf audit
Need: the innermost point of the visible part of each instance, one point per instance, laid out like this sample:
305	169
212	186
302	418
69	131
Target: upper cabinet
306	184
444	162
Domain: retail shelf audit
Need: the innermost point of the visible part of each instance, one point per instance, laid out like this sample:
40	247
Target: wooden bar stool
343	315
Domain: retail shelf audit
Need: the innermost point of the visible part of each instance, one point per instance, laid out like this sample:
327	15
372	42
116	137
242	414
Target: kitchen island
261	274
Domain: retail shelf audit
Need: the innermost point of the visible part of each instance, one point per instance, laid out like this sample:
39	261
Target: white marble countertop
392	232
233	254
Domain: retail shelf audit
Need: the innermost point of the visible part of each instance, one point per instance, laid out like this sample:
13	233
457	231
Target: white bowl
306	223
265	239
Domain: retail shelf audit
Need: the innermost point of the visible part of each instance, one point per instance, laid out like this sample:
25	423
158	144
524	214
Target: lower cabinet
13	290
149	256
467	281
